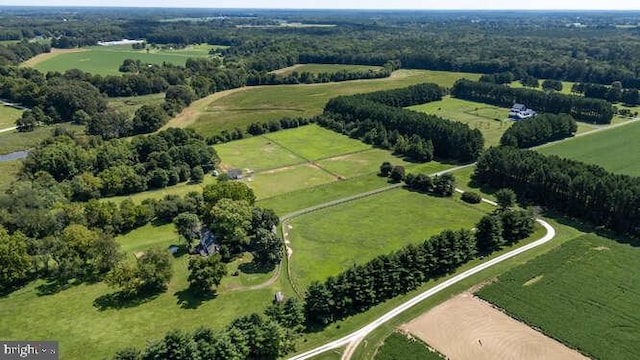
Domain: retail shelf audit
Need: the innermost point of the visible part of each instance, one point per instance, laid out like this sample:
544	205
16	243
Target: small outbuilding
235	174
520	112
173	249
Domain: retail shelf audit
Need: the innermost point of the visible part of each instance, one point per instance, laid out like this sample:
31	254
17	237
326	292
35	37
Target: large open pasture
83	314
8	116
404	346
105	60
585	294
331	240
492	121
614	149
240	107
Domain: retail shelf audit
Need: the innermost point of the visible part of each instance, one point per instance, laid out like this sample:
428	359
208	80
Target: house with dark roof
520	112
208	244
235	174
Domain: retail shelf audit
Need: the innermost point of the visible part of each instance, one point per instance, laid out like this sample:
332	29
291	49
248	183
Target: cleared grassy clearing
313	142
130	104
614	149
324	68
179	189
368	347
12	141
72	317
279	181
8	116
566	86
328	241
356	164
255	153
105	60
584	293
265	103
8	172
404	347
304	198
492	121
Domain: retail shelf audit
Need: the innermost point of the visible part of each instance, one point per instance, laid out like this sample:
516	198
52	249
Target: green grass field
8	116
363	162
566	86
283	180
399	346
614	149
256	153
585	294
72	318
492	121
331	240
324	68
105	60
241	107
313	142
129	105
12	141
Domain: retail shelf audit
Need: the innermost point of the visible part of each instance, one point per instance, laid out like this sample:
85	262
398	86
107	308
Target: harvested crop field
466	327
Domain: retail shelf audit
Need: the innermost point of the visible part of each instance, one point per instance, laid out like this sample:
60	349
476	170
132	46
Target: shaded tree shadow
253	268
188	299
120	300
54	286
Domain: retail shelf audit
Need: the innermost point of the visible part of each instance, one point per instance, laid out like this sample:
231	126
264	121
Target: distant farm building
235	174
520	112
173	249
208	244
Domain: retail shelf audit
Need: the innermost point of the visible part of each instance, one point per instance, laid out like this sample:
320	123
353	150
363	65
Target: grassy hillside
240	107
8	116
324	68
614	149
584	293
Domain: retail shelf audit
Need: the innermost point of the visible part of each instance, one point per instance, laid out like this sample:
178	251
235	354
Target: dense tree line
24	50
379	118
539	130
581	108
93	168
613	93
305	77
576	189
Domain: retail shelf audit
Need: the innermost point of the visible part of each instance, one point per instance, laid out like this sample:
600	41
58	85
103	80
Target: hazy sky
349	4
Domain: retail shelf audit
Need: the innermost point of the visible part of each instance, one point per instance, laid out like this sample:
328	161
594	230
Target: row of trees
539	130
21	51
613	93
379	118
579	190
93	168
581	108
305	77
363	286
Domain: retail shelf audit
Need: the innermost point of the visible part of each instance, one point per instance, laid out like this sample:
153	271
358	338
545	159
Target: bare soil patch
533	280
466	327
46	56
601	248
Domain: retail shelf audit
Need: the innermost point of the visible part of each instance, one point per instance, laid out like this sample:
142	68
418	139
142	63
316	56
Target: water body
14	156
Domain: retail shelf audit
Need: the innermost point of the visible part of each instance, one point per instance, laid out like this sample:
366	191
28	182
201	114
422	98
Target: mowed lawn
105	60
614	149
72	318
241	107
492	121
291	178
363	162
403	346
324	68
584	293
8	116
256	153
313	142
331	240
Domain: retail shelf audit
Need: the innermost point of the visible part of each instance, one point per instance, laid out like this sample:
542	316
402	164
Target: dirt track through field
466	327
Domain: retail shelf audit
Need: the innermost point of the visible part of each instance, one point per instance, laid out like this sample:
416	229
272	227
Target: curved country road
355	337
